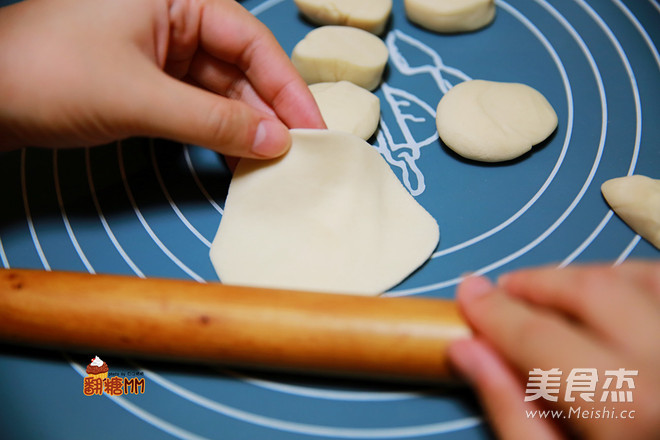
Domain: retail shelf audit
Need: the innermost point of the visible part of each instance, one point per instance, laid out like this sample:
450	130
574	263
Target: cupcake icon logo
97	368
97	382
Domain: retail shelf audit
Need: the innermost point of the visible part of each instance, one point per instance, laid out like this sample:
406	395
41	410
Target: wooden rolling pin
379	338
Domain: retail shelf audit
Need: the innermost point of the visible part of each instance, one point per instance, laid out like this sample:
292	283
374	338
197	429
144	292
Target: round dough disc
493	121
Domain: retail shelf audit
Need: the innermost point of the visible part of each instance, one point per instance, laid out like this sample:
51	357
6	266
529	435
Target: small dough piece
336	53
450	15
347	107
328	216
370	15
493	121
636	199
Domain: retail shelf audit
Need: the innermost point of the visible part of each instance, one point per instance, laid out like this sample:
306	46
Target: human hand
85	72
595	317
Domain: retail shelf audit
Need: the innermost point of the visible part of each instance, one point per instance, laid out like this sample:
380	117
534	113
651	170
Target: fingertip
314	119
517	282
302	110
318	123
504	280
518	279
472	287
271	139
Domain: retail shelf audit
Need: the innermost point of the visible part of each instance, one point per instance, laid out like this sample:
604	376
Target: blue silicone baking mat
150	208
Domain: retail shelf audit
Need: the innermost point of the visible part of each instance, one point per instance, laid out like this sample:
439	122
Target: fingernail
475	286
271	139
503	279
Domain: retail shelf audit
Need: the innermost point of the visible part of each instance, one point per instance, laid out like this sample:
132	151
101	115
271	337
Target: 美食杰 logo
590	394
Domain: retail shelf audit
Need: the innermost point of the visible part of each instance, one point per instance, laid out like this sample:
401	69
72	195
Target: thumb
185	113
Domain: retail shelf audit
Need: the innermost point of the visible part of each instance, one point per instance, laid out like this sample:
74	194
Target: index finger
231	33
526	335
606	299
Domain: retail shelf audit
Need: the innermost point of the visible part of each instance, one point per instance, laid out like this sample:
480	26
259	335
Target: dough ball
370	15
636	199
330	215
347	107
336	53
450	15
493	121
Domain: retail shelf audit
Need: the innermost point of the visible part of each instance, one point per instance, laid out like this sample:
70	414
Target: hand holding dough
493	121
370	15
328	216
636	199
347	107
336	53
450	15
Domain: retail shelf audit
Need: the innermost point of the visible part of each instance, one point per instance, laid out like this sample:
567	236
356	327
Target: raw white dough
328	216
347	107
493	121
370	15
450	15
336	53
636	199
